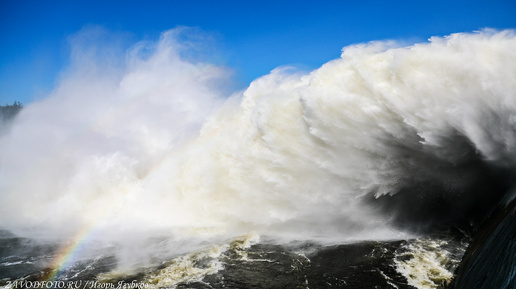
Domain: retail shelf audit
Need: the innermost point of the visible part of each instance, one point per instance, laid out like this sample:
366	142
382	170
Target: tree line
8	112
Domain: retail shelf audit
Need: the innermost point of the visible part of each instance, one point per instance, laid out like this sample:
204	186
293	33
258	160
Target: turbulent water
143	164
248	262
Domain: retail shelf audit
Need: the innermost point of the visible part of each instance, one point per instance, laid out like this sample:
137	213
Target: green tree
8	112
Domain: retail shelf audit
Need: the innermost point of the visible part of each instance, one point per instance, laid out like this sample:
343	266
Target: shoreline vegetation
8	112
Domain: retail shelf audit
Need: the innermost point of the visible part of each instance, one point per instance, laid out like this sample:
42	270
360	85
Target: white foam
148	146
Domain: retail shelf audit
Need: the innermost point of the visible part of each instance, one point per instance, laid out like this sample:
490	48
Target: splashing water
383	138
429	263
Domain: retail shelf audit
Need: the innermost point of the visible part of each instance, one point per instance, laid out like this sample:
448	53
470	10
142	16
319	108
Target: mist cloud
149	140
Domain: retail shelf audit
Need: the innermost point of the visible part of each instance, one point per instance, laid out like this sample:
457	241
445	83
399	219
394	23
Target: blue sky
252	37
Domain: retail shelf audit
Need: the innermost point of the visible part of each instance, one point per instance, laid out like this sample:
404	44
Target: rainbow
68	253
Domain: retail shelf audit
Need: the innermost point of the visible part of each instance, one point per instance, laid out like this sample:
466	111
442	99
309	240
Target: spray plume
382	137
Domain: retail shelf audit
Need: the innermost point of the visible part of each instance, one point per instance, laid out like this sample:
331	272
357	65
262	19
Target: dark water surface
247	263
